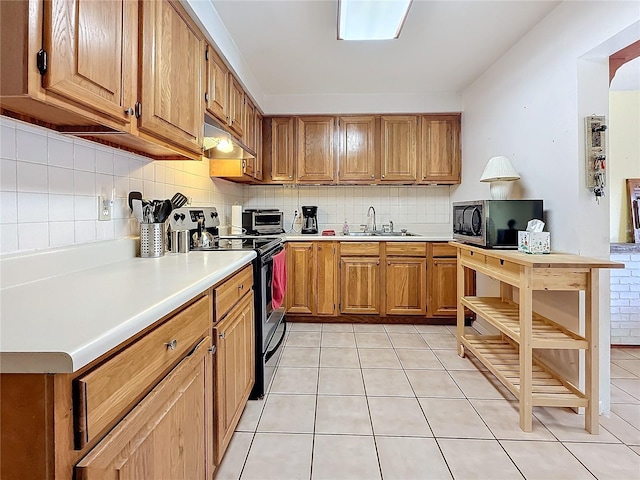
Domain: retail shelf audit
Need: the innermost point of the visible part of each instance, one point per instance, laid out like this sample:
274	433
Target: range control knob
176	217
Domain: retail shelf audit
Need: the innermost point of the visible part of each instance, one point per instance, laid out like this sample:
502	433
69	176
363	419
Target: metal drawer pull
222	335
172	344
241	286
212	350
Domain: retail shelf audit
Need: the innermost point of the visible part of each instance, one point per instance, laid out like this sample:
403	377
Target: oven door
271	317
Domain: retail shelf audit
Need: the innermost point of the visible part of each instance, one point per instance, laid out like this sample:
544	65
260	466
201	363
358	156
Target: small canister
183	241
173	241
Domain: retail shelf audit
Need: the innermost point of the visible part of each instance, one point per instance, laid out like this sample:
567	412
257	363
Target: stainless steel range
270	323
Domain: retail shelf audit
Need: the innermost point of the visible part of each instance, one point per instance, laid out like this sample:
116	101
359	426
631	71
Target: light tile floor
396	402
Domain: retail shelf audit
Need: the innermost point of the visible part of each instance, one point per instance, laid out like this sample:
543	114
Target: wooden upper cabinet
357	152
440	149
217	96
398	148
316	157
236	106
92	49
249	128
259	157
282	152
171	83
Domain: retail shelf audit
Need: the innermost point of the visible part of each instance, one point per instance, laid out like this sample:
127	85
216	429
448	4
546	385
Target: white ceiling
290	46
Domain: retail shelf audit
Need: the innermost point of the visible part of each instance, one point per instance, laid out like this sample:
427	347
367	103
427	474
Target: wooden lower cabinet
360	285
143	410
165	435
311	278
406	281
234	370
442	281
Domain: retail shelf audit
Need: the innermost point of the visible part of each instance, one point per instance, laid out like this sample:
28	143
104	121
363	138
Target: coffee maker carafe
309	220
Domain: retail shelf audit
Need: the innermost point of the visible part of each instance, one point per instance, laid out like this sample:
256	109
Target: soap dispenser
345	228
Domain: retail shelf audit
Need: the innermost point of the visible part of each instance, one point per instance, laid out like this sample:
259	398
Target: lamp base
500	189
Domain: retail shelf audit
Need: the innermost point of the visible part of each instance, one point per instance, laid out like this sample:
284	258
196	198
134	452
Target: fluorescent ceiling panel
371	19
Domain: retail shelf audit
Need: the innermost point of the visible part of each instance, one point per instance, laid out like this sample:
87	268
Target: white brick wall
625	300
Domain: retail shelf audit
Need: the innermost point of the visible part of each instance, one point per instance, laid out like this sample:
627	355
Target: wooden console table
509	355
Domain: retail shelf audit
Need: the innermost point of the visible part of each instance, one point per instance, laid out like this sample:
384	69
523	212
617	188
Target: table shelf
505	316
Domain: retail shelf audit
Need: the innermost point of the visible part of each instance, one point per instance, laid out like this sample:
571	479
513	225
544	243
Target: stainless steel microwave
493	223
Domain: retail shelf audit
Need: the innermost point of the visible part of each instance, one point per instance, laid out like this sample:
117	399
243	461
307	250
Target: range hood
220	145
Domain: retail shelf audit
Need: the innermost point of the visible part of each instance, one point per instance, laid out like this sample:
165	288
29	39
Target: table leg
460	313
526	355
592	371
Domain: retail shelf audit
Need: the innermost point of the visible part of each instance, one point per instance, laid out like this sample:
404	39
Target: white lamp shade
499	169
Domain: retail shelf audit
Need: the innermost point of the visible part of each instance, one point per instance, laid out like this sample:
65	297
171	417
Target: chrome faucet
374	217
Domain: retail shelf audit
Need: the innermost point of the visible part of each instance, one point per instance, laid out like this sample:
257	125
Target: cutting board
633	194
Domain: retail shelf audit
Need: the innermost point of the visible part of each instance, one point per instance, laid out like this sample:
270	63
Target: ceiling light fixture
371	19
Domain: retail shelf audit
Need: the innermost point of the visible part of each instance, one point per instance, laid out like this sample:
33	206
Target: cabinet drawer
227	294
475	258
407	249
443	250
107	392
503	267
360	248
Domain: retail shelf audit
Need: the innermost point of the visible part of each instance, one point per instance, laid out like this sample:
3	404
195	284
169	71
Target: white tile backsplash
49	196
7	142
31	147
60	152
8	175
84	158
33	207
32	177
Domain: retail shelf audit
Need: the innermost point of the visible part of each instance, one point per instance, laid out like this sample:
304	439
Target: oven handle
270	354
267	257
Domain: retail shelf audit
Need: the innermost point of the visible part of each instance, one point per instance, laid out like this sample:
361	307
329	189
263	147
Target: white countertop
61	323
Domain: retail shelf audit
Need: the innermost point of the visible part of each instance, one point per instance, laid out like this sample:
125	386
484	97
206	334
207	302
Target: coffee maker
309	220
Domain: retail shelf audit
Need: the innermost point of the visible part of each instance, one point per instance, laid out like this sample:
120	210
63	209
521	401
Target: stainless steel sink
395	234
382	234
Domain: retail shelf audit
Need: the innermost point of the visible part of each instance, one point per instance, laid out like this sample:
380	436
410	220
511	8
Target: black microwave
493	223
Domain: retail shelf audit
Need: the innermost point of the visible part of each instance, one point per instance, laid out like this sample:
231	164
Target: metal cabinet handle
129	111
172	344
382	176
241	286
212	350
222	335
373	176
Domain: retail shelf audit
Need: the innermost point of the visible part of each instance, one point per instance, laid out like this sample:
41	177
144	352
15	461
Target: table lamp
500	173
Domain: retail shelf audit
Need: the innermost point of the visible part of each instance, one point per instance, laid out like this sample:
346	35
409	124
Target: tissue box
534	242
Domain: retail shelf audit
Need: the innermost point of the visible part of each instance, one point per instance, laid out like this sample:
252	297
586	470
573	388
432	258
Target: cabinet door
236	106
327	278
92	49
359	285
234	370
398	148
440	149
258	167
301	275
315	151
166	435
443	297
357	153
171	78
406	280
249	124
217	89
282	164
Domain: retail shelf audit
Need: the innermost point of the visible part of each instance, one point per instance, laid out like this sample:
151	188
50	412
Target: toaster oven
263	221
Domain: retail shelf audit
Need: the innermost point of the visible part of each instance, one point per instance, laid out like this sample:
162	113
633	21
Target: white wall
624	158
49	187
530	106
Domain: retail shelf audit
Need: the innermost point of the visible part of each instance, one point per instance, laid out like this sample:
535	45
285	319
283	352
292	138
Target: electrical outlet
104	208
